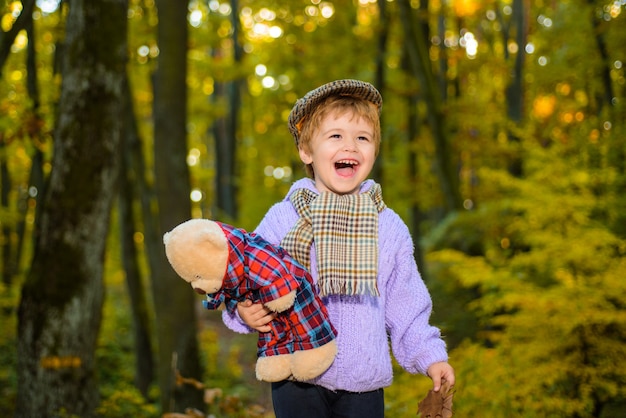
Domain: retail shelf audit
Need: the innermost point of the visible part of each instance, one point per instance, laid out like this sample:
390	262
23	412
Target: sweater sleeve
233	321
415	343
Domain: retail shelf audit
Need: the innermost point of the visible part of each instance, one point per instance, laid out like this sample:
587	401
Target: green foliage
124	400
548	297
231	389
115	356
402	397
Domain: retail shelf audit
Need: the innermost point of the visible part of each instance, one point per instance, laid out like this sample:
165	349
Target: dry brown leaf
437	404
211	394
180	380
194	413
189	413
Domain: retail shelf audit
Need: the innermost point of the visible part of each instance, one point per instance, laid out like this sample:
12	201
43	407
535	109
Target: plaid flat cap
305	105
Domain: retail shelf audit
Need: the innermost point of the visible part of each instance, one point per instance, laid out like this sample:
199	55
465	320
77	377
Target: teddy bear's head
198	251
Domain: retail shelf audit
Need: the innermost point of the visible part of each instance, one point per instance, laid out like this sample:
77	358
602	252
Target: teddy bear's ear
197	249
211	237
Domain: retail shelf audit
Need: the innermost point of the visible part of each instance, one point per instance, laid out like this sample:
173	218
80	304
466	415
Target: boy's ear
305	156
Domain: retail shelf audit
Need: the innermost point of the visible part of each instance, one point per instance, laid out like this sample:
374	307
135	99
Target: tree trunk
144	358
379	80
36	136
607	96
225	132
11	246
443	55
61	306
420	64
174	300
416	215
6	248
515	89
7	38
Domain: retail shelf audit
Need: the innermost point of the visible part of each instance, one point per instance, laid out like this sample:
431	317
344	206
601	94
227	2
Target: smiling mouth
345	164
346	167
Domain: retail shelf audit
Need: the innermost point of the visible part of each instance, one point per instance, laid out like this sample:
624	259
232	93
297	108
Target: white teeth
346	162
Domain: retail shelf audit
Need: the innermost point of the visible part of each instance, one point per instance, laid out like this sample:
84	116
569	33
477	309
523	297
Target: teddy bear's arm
280	293
277	286
283	302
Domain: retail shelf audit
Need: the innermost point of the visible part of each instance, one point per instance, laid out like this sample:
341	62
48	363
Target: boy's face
342	152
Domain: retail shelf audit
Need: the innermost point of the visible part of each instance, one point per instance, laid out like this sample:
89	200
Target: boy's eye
363	138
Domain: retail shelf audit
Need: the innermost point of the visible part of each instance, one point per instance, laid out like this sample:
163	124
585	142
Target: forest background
504	149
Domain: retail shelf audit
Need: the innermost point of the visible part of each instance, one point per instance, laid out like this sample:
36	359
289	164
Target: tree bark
416	215
412	138
225	132
607	95
139	306
420	64
61	306
174	300
515	89
379	79
7	38
11	246
6	249
37	137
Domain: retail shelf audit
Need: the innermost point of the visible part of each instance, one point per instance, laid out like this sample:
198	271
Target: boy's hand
439	371
255	315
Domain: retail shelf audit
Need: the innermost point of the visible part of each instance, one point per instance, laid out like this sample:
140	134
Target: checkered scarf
345	231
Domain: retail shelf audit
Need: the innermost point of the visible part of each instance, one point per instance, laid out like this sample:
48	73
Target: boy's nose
349	144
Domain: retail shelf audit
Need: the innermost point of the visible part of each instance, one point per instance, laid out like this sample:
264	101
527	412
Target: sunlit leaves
464	8
550	302
48	6
261	25
543	106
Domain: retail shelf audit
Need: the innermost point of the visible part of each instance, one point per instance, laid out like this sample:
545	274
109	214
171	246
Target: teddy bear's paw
308	364
282	303
273	368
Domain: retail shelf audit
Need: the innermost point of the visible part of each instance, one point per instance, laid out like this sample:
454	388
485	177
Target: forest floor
234	370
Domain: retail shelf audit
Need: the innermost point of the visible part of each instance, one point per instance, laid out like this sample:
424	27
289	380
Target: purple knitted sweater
366	324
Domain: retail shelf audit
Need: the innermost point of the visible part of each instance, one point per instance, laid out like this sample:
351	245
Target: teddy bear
230	265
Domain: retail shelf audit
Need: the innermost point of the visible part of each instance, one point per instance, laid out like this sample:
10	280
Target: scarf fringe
344	229
345	287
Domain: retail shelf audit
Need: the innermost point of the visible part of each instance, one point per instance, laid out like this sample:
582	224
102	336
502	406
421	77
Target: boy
359	252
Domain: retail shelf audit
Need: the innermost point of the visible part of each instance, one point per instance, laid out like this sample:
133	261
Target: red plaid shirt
262	272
